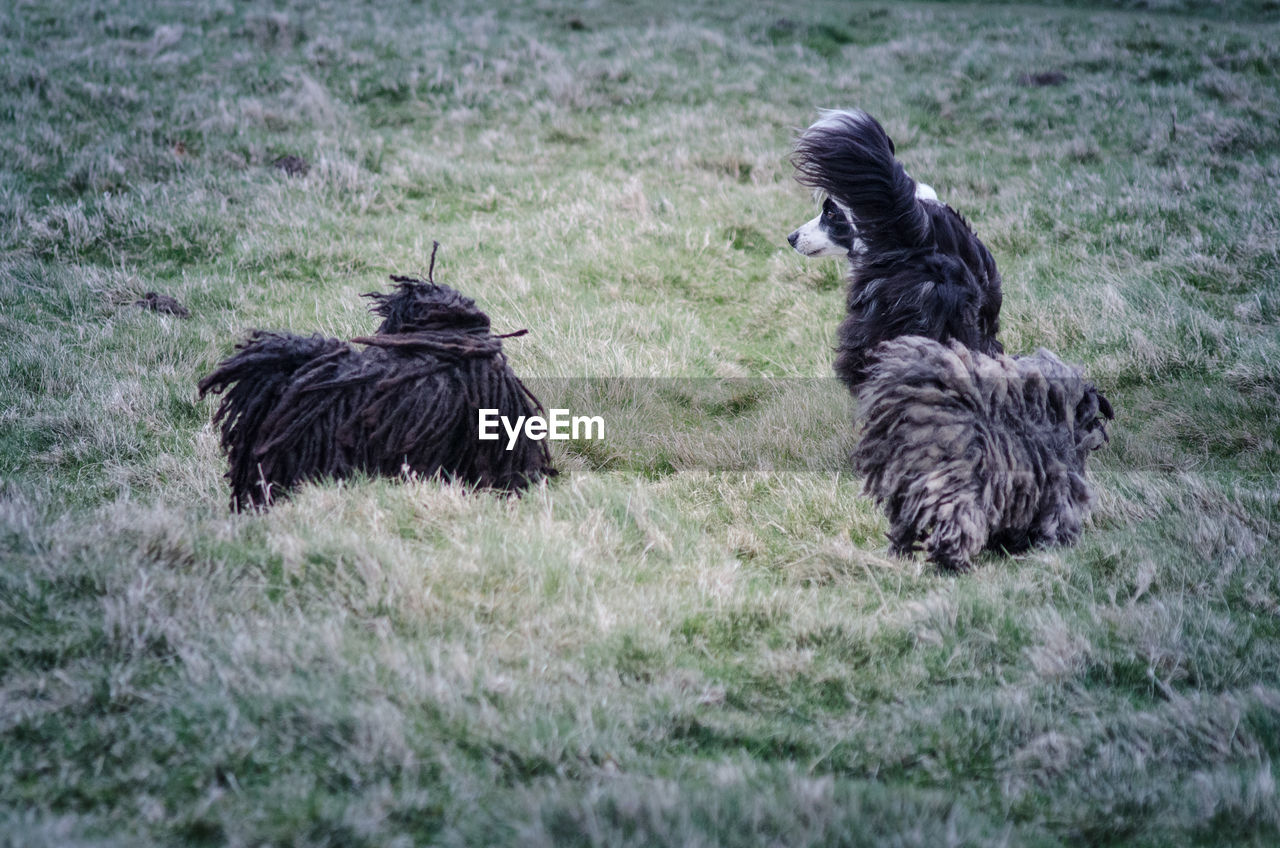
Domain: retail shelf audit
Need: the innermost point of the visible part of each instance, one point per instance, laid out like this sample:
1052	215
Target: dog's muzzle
793	238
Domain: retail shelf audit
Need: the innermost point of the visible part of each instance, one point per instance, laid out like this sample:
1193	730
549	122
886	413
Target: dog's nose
793	238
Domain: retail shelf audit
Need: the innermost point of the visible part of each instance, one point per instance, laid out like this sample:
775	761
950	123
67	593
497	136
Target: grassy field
678	650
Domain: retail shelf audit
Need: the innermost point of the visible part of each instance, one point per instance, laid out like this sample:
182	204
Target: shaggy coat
915	266
970	451
298	408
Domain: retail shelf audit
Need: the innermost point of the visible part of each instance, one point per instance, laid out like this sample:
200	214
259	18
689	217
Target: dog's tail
848	155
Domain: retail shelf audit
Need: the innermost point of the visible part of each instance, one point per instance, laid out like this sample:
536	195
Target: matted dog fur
967	451
299	408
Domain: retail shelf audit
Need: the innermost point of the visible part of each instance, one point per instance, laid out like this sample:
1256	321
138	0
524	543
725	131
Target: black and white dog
915	267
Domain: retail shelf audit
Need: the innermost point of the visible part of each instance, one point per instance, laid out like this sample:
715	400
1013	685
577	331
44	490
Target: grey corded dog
968	451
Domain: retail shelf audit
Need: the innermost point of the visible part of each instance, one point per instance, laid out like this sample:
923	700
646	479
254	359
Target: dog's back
953	237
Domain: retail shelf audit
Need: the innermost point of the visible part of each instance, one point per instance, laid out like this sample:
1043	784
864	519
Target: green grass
670	643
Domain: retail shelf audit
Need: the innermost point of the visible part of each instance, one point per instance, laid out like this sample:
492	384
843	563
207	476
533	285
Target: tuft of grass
693	635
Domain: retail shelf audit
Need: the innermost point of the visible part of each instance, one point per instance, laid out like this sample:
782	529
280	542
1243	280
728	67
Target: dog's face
830	234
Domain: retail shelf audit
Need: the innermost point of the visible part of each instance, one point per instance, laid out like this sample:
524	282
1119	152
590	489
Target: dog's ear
1094	404
1091	417
1104	406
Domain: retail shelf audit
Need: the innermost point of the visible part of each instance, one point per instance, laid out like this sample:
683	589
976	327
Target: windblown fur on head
849	157
300	408
915	266
968	451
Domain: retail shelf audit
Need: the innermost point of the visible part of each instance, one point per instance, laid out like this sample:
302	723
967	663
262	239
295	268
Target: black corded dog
299	408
